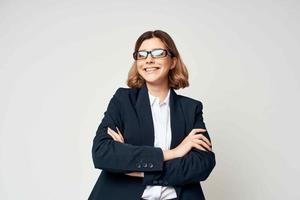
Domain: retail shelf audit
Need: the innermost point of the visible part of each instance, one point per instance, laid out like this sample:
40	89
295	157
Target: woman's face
155	70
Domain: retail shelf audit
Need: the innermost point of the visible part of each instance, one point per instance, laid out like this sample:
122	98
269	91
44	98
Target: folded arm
195	166
191	161
119	157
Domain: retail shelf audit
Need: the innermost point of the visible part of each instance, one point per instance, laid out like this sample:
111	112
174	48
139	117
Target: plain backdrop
61	62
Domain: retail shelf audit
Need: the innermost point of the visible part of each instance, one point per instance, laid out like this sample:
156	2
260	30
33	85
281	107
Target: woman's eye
142	54
158	52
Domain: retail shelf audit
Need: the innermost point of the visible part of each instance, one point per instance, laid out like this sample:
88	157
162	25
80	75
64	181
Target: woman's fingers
120	134
111	134
202	143
197	146
136	174
202	137
206	140
114	135
196	130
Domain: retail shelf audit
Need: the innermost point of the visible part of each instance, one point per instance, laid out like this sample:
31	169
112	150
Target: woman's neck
160	91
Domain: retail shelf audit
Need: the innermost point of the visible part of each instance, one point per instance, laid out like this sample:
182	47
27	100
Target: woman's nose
149	59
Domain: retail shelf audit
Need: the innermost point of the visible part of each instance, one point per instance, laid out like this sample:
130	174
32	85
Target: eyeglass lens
156	53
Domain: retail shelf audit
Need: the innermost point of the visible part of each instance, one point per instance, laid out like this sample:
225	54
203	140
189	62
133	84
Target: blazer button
155	182
138	165
160	182
150	165
145	165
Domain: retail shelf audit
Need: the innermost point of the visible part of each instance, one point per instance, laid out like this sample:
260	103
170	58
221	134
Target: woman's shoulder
126	94
122	91
186	100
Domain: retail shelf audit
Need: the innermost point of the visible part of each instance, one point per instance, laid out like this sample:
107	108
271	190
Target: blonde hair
178	76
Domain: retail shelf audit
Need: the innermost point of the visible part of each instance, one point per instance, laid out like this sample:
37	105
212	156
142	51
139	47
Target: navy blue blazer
129	110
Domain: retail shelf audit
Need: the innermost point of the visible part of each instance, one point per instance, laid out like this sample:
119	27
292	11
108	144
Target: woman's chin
154	81
151	77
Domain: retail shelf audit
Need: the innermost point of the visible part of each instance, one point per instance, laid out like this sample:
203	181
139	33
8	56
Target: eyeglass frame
150	52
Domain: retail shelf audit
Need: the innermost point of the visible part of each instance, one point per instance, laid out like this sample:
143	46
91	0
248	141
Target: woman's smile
150	70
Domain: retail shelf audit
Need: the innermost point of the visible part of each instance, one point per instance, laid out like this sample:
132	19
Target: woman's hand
117	136
136	174
198	141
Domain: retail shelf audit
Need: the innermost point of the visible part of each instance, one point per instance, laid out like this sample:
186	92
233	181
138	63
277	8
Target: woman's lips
151	69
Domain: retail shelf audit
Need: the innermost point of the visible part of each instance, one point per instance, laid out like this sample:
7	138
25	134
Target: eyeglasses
155	53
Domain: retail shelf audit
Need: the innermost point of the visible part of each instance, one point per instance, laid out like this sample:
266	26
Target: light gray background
61	62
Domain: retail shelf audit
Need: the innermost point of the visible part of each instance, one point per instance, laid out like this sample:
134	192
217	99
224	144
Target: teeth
151	69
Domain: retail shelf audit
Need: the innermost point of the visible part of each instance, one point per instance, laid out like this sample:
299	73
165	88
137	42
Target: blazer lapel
146	125
177	120
144	113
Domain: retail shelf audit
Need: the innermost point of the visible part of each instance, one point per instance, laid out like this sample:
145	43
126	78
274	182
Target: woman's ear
174	62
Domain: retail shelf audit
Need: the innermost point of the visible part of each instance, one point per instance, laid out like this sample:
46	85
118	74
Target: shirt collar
154	98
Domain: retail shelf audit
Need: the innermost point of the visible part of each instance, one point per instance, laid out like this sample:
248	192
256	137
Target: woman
152	143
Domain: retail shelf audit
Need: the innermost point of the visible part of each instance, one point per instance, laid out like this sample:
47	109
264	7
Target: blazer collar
146	122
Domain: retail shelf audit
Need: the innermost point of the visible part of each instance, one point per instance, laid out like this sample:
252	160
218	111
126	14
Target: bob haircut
178	76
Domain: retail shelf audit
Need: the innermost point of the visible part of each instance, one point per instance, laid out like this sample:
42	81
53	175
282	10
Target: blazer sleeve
119	157
194	167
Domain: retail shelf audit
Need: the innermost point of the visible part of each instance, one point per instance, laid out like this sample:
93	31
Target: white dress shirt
162	139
